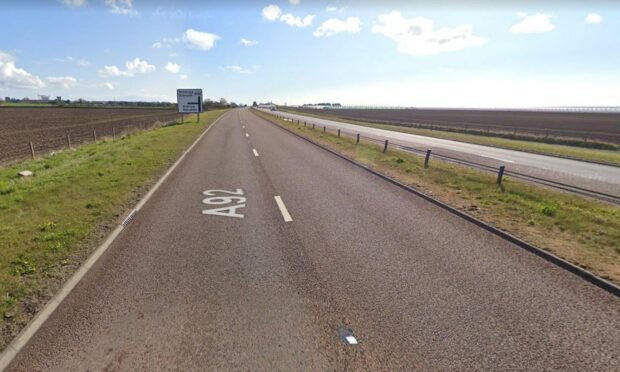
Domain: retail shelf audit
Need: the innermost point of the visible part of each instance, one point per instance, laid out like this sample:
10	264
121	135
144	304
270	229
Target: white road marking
214	199
255	152
283	210
351	340
243	126
247	135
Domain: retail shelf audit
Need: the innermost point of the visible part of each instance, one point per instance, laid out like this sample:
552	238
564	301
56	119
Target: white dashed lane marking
283	210
255	152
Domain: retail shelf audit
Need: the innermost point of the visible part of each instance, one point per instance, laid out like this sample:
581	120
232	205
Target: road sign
189	100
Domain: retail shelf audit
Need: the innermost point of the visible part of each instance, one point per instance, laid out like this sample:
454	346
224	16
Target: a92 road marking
215	197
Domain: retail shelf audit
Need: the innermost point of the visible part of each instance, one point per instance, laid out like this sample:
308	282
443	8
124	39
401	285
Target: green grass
22	104
573	152
49	222
581	230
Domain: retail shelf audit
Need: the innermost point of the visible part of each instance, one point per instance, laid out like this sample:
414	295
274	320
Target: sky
389	53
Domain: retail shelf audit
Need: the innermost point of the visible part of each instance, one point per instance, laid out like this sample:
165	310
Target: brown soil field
593	126
47	128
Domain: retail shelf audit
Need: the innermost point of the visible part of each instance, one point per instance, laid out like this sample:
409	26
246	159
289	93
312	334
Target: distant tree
223	102
254	104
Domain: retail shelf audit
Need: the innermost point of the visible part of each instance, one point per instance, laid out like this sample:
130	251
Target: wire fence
499	169
41	142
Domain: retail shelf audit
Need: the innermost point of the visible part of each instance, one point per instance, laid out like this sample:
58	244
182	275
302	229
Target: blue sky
406	53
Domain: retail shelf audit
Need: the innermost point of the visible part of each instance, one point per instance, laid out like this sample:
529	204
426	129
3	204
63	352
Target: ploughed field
48	128
603	127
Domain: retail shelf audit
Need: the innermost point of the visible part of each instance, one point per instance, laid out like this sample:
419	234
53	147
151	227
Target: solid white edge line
255	152
9	353
283	210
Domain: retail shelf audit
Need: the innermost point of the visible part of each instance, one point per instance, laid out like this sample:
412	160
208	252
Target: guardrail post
385	146
500	174
324	128
426	159
338	132
68	141
358	138
94	136
31	149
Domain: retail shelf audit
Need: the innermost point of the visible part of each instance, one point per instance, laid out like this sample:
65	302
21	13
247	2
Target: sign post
189	101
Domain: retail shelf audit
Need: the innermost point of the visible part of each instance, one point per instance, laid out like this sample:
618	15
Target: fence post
94	136
500	175
312	126
428	156
385	146
338	132
68	141
31	149
304	123
113	133
358	138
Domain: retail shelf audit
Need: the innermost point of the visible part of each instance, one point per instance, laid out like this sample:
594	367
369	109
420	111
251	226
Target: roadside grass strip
572	152
50	222
582	231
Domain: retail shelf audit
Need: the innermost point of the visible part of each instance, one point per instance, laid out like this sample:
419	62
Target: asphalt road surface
596	177
300	255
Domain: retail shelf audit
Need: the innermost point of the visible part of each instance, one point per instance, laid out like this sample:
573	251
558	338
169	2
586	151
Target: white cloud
294	2
173	68
272	12
241	70
66	59
183	77
157	45
531	24
332	9
248	42
418	36
73	3
200	40
124	7
62	81
83	62
135	66
334	25
594	18
293	21
108	85
12	76
138	66
112	71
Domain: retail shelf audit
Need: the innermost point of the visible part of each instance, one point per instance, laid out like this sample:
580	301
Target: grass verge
611	157
49	223
583	231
